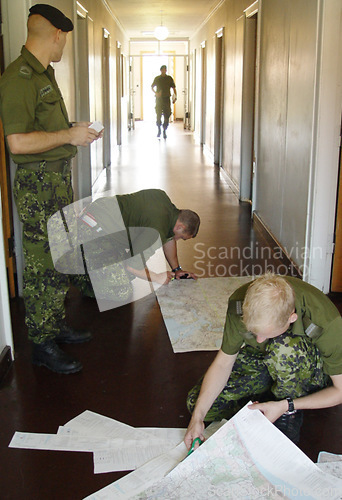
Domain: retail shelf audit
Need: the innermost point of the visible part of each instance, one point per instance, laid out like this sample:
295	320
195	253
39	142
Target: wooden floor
130	371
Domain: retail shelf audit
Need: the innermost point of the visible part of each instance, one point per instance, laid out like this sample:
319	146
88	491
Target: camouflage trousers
106	277
38	195
290	366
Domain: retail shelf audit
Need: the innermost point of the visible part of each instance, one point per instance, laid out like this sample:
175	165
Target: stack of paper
115	446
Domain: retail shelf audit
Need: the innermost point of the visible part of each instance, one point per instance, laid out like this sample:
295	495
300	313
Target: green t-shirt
30	100
312	306
164	84
149	208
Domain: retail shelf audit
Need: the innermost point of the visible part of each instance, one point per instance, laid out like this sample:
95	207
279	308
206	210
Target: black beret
55	16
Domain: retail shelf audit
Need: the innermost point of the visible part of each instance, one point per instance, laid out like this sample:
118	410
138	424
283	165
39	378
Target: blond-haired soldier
282	344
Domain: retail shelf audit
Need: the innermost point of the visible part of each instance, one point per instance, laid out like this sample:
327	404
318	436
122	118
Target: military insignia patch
25	71
46	90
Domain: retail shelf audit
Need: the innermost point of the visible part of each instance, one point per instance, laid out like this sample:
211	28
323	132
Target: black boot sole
72	341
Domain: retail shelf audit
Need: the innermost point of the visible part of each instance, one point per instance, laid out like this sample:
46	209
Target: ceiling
182	17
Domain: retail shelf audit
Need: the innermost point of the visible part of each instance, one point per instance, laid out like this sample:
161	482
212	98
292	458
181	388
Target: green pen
196	440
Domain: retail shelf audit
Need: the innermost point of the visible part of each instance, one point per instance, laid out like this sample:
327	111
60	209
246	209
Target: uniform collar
297	328
33	61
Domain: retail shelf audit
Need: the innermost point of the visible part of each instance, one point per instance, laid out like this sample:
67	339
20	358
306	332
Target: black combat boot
50	355
67	335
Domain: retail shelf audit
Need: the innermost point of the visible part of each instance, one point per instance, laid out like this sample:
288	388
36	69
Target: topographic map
247	458
219	471
194	312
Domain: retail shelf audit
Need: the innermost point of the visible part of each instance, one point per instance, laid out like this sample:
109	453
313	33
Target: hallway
130	371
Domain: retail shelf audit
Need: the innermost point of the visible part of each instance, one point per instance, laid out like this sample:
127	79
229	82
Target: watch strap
178	268
291	408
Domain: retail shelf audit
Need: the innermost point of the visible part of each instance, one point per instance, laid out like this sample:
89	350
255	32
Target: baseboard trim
272	241
5	362
233	186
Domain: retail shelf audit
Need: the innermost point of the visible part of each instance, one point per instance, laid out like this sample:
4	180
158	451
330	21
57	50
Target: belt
60	166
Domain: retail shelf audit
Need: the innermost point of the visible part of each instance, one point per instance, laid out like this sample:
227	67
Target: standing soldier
161	86
42	143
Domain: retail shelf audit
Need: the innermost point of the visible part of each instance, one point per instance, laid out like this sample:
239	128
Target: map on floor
194	312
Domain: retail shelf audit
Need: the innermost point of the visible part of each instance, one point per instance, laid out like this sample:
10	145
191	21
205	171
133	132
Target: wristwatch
291	409
178	268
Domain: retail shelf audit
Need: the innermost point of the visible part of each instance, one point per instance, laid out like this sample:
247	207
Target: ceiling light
161	32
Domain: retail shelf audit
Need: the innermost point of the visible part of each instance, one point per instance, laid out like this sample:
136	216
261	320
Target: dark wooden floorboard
130	371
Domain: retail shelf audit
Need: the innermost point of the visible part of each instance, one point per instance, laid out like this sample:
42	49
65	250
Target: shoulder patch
46	90
25	71
235	307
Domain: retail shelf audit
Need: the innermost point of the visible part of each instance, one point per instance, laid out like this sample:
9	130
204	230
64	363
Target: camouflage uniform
293	364
31	101
130	228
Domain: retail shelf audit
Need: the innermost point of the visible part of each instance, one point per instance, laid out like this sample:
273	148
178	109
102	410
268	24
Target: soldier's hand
181	274
194	431
82	135
81	124
272	409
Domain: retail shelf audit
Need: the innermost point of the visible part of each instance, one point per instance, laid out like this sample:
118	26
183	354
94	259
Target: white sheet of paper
147	444
97	126
94	424
163	435
325	456
132	455
60	442
135	453
170	434
333	468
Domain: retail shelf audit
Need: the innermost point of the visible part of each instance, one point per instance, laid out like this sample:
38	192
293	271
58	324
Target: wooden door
6	197
336	281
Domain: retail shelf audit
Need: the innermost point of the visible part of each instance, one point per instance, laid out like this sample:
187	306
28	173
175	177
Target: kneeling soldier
281	348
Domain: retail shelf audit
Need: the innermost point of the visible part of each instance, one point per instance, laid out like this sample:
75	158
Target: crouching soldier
281	348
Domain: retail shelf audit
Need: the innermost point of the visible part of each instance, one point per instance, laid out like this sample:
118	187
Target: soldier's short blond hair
269	302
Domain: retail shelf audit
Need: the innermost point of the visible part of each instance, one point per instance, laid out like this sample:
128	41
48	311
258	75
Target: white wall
326	148
5	318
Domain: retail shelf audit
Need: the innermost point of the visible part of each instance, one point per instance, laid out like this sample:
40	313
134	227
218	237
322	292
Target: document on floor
115	445
248	457
331	463
194	311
